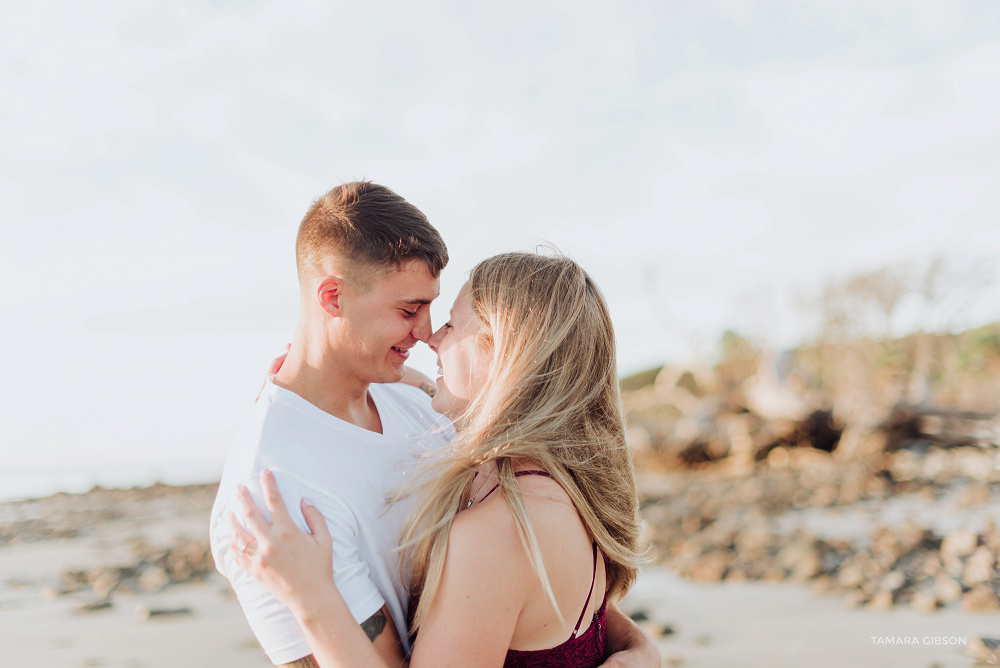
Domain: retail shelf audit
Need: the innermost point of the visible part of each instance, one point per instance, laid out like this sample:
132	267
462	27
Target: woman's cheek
443	400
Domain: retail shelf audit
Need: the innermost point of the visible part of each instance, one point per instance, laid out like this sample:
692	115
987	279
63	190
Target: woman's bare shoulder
546	503
486	527
486	560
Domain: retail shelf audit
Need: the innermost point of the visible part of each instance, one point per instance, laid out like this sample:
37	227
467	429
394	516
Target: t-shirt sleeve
272	622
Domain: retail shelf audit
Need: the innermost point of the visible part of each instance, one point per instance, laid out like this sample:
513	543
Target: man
335	426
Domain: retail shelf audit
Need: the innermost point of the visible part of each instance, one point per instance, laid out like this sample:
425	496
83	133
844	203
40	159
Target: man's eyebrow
415	302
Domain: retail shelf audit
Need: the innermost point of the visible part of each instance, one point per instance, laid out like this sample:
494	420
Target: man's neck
316	374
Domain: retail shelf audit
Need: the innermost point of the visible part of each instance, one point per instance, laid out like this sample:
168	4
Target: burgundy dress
581	650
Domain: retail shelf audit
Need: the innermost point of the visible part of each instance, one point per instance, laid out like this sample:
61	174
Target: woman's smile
463	359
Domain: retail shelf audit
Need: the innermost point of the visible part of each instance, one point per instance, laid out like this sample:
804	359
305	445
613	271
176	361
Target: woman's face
463	360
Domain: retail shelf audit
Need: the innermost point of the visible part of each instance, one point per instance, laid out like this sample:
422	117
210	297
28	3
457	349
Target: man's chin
392	374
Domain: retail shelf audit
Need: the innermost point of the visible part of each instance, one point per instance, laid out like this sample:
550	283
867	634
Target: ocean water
39	482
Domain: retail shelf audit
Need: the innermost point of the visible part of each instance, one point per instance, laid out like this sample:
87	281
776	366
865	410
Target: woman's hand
419	381
295	566
273	369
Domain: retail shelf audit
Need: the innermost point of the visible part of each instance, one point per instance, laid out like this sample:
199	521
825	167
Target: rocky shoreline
840	527
140	563
117	577
139	559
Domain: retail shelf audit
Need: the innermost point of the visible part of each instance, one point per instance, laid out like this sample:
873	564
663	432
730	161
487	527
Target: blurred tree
882	336
738	359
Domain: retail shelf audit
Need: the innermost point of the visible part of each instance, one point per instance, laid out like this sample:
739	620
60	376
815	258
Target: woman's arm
484	585
295	567
469	624
419	381
345	643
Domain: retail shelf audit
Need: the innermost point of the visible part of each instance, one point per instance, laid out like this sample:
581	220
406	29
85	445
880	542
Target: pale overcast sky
157	157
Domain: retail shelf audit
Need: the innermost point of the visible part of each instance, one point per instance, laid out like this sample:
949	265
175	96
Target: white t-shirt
345	471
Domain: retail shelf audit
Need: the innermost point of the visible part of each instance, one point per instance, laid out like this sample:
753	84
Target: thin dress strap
593	580
518	474
593	577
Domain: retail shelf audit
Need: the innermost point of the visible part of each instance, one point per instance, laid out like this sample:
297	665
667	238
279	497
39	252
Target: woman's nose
435	339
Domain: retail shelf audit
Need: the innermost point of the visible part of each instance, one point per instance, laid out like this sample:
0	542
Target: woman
529	523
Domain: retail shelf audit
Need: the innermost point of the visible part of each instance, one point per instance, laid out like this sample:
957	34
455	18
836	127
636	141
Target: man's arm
381	631
628	646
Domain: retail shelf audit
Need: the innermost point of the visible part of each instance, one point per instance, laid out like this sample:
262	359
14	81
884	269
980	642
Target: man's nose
422	330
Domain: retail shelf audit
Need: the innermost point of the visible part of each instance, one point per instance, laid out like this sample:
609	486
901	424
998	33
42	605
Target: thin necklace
472	498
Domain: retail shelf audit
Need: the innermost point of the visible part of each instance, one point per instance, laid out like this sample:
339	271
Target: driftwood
941	426
748	438
690	418
984	650
745	437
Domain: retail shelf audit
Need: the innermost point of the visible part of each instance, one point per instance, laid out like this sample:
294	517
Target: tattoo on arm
374	625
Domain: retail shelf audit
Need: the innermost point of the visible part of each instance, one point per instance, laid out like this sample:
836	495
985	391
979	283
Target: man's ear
329	293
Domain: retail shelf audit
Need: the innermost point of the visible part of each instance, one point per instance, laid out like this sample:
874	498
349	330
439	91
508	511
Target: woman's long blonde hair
552	398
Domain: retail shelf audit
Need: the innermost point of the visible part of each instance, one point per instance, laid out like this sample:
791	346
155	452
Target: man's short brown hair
368	228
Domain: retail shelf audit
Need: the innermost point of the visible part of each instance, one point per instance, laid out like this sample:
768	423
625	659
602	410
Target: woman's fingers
240	535
273	369
316	522
272	497
241	540
278	361
256	523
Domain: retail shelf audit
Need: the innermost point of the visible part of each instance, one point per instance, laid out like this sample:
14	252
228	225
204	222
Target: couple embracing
363	523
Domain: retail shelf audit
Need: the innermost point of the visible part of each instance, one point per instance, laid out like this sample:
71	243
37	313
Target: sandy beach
123	578
50	543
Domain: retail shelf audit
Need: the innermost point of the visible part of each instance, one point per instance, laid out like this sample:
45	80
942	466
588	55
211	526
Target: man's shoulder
403	393
412	403
273	435
263	428
287	424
